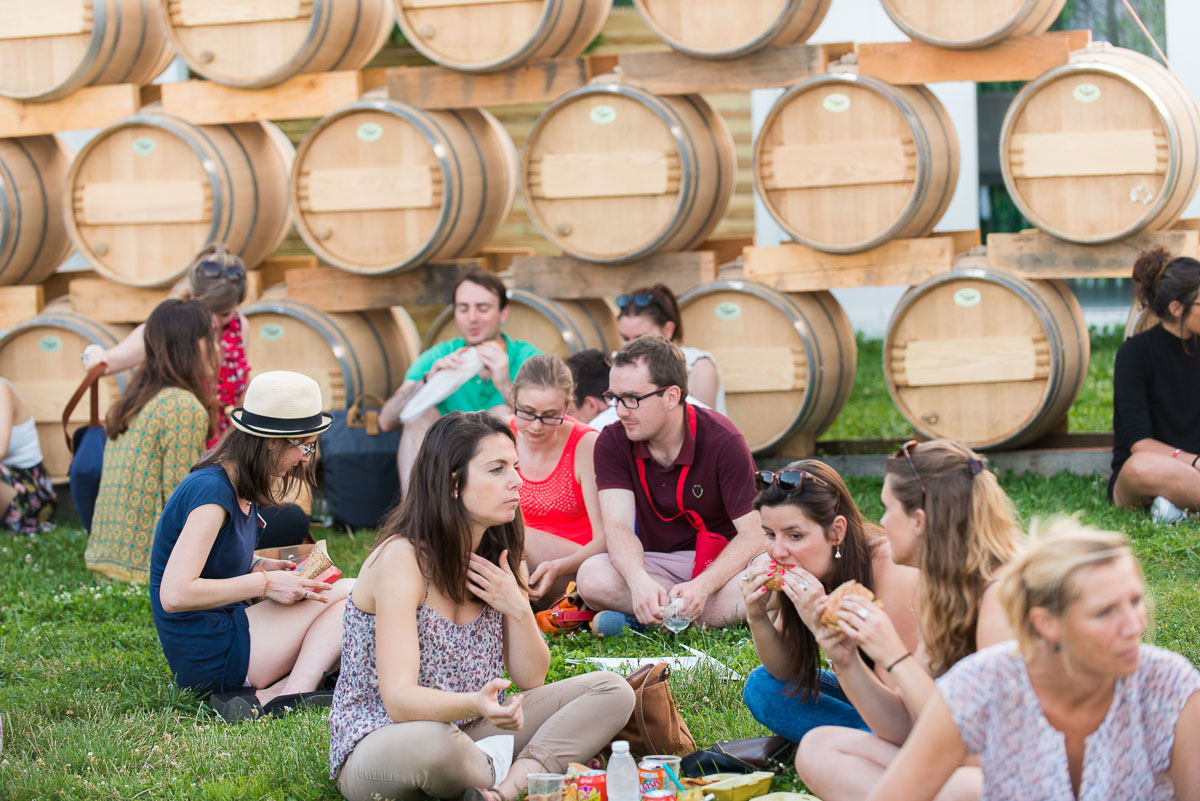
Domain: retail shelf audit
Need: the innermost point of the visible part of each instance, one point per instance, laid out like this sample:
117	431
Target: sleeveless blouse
690	357
555	504
457	659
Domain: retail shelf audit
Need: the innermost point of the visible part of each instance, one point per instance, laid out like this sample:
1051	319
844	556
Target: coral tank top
555	504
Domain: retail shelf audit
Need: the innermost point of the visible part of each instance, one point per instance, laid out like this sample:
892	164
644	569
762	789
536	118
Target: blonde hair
544	370
1046	574
970	533
220	294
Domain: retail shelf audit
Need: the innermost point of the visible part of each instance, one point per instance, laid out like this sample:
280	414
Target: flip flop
237	706
292	702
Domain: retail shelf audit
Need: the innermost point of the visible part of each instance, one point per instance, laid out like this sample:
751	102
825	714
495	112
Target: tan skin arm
703	382
732	560
389	415
618	511
1185	768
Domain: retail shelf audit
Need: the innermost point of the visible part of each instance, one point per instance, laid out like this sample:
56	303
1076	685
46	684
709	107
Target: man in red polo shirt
682	478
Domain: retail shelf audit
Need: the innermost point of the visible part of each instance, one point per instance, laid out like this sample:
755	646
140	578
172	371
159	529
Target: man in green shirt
480	308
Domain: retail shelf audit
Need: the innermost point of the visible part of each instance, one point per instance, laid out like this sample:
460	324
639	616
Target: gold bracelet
266	585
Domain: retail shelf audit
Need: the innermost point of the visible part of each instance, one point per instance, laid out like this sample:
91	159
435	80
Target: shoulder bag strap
90	381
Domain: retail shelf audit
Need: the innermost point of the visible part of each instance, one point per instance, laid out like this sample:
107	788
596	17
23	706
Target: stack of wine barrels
978	23
731	28
33	239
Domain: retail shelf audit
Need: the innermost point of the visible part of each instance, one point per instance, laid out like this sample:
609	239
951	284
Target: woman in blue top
204	576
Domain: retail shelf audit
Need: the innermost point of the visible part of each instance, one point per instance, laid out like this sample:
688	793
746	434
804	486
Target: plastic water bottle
621	783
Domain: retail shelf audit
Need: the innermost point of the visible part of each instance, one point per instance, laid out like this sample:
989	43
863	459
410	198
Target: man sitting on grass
682	478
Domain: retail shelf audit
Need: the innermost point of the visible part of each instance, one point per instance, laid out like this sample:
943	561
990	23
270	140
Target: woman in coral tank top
559	497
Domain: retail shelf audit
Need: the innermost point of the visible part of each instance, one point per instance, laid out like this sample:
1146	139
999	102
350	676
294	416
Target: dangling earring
454	494
837	554
1057	647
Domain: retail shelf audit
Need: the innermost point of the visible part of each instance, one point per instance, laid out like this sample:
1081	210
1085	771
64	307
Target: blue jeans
793	716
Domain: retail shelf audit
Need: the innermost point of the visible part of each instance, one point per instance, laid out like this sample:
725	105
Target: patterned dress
233	376
999	718
141	469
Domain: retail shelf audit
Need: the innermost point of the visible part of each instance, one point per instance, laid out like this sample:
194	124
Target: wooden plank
612	174
90	107
59	284
566	278
676	73
1033	254
793	267
1079	153
46	18
500	259
442	88
273	270
974	360
1018	58
400	186
129	202
762	369
312	95
109	302
224	12
863	161
18	303
728	248
332	290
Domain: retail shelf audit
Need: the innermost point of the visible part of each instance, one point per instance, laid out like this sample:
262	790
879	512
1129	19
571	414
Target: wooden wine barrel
257	44
347	353
731	28
971	23
147	193
33	240
379	185
787	360
489	36
1140	319
561	327
48	52
983	356
613	173
1102	147
845	162
40	356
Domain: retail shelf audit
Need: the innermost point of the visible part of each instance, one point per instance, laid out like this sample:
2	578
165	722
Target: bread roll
829	615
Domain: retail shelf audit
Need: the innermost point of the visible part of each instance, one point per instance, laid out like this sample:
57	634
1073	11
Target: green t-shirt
477	395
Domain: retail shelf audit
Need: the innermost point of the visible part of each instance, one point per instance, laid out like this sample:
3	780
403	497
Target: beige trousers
567	721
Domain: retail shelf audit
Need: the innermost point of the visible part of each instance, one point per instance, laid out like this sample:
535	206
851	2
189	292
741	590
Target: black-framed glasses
631	401
788	480
547	419
305	448
641	300
904	451
215	269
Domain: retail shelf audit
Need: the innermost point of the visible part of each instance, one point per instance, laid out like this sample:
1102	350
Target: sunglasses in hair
904	451
641	300
214	269
788	480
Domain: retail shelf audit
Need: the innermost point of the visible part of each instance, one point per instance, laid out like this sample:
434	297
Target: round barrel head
279	341
475	34
715	27
966	23
243	43
39	50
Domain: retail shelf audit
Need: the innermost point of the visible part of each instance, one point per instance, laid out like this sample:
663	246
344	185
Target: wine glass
673	618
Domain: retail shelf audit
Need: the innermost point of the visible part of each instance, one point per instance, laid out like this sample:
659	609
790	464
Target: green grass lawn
89	709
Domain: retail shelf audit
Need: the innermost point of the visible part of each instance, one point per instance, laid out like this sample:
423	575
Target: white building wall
1183	22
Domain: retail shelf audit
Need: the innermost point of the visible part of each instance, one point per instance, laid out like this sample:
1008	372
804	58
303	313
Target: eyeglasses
789	480
214	269
305	448
631	401
547	419
904	452
641	300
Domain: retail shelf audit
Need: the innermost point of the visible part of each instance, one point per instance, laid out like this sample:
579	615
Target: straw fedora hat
281	404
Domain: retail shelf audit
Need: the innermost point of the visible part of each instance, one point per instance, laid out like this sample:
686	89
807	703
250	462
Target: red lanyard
690	515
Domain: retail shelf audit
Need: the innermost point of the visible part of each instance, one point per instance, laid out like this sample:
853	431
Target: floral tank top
454	658
555	504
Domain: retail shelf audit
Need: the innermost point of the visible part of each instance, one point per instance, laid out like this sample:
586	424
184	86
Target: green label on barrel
728	311
50	344
271	332
968	297
1087	93
370	132
836	102
143	146
603	115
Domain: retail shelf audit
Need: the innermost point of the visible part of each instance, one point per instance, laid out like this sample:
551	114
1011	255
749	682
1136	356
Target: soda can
659	795
593	786
651	776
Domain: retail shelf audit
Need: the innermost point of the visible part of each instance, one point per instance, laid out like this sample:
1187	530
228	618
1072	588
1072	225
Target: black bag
740	756
358	466
86	445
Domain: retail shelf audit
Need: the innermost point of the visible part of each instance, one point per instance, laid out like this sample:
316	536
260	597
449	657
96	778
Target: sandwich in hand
829	614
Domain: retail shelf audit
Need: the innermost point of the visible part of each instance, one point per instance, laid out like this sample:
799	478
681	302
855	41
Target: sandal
281	705
237	706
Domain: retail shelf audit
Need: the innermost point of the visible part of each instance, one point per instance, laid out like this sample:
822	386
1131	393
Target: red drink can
651	776
659	795
593	786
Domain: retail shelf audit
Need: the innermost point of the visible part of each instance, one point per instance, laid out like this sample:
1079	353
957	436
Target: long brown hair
1162	279
432	515
822	505
250	461
970	533
175	357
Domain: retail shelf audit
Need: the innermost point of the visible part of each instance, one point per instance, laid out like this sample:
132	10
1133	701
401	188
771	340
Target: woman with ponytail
1078	675
945	514
1156	381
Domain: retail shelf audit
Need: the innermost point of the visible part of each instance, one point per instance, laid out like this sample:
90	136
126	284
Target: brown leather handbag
655	726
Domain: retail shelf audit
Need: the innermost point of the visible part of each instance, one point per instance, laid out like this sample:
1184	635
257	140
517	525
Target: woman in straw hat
204	576
1078	707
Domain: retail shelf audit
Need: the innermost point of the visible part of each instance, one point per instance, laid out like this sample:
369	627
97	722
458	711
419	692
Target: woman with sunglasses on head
559	500
945	514
156	432
205	580
437	617
654	310
1078	707
814	532
1156	380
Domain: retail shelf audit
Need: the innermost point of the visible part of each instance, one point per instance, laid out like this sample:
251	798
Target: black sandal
294	702
237	706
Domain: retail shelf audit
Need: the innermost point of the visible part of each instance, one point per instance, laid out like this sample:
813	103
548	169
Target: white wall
1183	23
865	21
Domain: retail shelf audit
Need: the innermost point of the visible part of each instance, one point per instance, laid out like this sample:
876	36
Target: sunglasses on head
641	300
214	269
788	480
904	451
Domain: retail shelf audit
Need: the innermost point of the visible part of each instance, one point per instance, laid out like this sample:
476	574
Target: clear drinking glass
673	620
545	786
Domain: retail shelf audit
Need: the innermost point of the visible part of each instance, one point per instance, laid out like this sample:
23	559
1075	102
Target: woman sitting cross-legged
559	500
816	533
27	498
204	576
439	613
1078	707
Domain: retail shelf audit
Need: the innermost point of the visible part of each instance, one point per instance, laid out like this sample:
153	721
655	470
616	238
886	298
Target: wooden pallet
315	95
1019	58
90	107
109	302
568	278
18	303
1034	254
